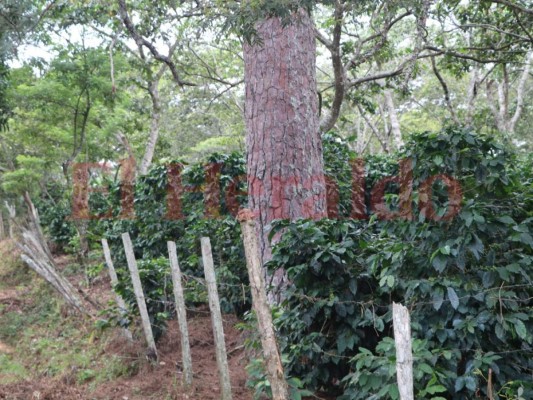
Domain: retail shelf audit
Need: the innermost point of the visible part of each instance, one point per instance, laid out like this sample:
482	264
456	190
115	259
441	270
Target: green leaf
438	299
454	299
506	220
471	383
435	389
445	250
526	239
479	218
520	328
439	263
426	368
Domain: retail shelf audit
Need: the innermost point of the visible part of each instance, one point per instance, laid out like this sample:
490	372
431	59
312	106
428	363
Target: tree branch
338	69
445	90
514	6
141	41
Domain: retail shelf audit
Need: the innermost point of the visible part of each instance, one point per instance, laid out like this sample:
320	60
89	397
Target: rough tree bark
284	150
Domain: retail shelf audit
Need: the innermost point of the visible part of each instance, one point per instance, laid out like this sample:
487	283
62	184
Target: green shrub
150	231
466	281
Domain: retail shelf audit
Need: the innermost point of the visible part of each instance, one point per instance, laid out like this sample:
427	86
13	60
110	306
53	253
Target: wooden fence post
12	214
404	352
182	313
2	229
139	294
274	367
216	318
114	280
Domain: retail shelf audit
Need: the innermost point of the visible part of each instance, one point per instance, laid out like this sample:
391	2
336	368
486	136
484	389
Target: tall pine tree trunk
284	149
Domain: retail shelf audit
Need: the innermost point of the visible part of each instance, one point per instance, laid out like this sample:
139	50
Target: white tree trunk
471	96
154	123
501	109
397	141
520	94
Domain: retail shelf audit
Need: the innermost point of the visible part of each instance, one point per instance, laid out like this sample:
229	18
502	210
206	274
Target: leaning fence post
274	367
182	313
139	294
114	280
404	353
216	318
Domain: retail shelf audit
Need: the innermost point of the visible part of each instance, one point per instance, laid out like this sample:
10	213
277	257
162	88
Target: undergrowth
47	341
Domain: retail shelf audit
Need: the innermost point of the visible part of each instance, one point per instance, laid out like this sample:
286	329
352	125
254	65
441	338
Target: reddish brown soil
164	380
159	381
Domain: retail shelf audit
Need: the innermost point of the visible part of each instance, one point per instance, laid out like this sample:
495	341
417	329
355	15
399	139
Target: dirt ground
161	380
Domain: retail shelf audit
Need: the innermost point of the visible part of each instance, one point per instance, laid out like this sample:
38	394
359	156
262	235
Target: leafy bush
466	281
54	210
151	230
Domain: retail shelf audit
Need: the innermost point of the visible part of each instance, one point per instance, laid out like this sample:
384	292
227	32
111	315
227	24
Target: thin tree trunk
82	227
520	94
499	122
362	141
339	71
446	91
382	139
284	149
12	214
500	109
397	141
153	89
503	95
471	96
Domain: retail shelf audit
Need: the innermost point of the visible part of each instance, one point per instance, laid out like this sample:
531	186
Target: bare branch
374	129
377	76
457	54
141	41
445	90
